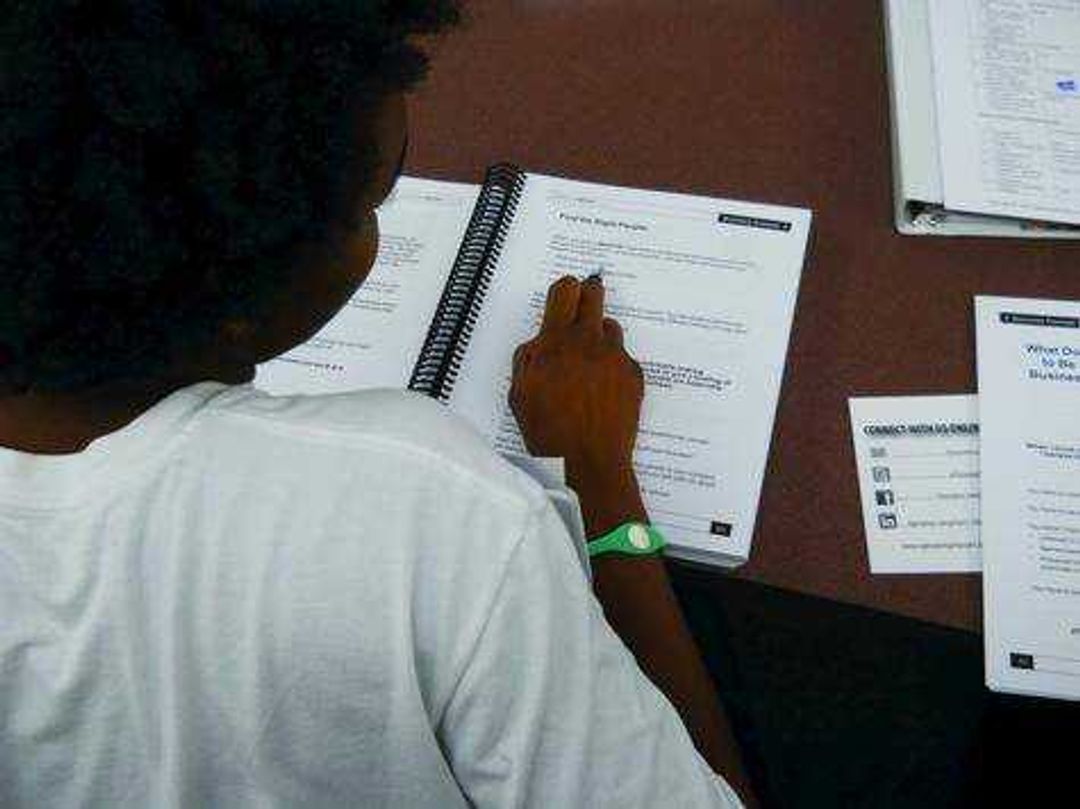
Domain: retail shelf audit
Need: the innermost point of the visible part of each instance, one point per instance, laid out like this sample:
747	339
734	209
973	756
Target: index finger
590	314
562	303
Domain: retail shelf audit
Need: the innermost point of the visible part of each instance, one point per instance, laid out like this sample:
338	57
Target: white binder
918	188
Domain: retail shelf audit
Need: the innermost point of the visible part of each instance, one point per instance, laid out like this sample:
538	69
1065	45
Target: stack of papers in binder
985	98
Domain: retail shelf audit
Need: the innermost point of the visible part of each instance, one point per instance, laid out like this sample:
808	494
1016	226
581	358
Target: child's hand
576	393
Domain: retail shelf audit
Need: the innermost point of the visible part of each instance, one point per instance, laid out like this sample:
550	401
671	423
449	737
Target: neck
63	423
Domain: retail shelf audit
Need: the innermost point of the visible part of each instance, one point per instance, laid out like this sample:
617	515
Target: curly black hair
161	159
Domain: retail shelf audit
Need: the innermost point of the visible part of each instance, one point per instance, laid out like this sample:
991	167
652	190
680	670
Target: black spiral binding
459	307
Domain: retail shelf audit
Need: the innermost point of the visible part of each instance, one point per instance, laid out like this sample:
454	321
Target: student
214	597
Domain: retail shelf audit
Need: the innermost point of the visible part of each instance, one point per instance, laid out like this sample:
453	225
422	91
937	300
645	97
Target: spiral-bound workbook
704	288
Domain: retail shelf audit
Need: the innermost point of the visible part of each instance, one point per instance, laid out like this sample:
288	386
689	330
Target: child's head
173	172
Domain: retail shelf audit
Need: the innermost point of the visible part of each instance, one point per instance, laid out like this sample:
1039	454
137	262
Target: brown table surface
781	101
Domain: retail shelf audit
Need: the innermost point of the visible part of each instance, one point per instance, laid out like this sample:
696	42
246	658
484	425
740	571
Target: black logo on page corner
1021	661
753	222
1046	321
720	529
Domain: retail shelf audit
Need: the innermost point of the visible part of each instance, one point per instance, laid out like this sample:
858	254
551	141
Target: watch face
634	539
639	537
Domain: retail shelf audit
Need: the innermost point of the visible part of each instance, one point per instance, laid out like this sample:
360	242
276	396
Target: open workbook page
1007	74
375	339
705	290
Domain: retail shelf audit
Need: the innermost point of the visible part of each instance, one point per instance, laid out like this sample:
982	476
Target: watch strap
632	539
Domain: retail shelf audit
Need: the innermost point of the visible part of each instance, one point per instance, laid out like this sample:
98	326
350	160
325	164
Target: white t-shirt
246	600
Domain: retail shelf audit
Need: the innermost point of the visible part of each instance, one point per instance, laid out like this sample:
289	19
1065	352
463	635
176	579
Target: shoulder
374	503
402	428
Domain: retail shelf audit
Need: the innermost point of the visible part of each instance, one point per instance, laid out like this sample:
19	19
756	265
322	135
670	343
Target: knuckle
525	350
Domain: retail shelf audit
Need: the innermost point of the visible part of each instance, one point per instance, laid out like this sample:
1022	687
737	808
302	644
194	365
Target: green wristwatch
632	538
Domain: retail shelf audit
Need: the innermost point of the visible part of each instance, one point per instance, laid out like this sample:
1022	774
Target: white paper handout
918	464
1029	402
1007	75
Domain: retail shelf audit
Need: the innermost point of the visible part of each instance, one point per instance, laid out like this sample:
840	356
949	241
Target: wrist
608	498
